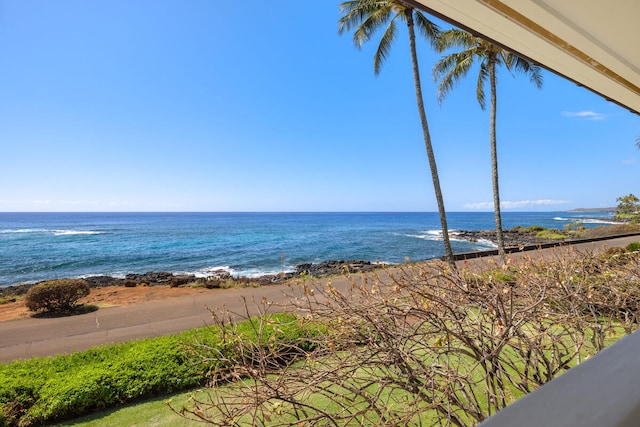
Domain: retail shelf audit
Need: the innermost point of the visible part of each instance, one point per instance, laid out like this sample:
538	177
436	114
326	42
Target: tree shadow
76	311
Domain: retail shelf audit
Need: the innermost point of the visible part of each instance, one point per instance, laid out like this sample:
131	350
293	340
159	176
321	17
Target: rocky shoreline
513	238
216	279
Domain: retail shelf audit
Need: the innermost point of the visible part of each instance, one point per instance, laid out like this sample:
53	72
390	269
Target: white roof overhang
591	42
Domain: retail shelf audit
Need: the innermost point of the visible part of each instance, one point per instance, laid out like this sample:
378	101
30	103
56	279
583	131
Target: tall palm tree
453	67
366	17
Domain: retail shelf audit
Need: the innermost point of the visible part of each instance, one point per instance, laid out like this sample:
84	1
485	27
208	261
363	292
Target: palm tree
367	17
451	68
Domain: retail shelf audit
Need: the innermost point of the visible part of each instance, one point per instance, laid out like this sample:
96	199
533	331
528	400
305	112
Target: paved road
29	337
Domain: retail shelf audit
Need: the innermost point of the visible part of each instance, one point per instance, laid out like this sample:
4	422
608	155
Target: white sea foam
249	272
23	230
587	220
487	243
74	232
424	236
211	271
115	275
598	221
48	231
436	235
253	273
427	235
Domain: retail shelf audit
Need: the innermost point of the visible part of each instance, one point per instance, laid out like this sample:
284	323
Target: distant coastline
612	209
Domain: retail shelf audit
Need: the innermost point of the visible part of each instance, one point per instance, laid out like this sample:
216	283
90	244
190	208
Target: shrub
7	300
535	228
633	246
575	226
56	295
553	234
614	251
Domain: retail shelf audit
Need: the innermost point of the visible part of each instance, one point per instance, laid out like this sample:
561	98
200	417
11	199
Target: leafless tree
421	344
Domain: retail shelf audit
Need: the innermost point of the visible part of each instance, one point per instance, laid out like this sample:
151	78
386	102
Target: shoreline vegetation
517	237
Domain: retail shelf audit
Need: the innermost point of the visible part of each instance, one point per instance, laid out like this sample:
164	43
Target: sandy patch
112	296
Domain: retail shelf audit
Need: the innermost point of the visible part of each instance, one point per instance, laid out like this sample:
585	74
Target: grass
7	300
551	234
154	412
610	230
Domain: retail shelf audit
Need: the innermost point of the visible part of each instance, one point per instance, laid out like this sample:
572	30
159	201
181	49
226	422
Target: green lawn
151	413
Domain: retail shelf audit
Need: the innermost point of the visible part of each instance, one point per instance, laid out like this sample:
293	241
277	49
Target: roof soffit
589	42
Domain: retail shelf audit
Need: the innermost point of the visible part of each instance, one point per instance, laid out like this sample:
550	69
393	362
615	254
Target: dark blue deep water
41	246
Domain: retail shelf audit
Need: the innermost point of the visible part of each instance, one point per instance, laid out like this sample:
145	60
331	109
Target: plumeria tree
368	17
453	67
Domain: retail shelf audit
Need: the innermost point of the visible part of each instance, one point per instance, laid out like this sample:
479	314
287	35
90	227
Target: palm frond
483	76
426	28
455	38
515	63
384	47
452	68
373	22
365	16
353	13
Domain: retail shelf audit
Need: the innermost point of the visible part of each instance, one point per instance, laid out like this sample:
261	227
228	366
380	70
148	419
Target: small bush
535	228
574	226
130	283
56	295
552	234
633	246
614	251
7	300
212	283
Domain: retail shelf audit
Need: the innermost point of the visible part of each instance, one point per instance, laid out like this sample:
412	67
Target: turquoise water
41	246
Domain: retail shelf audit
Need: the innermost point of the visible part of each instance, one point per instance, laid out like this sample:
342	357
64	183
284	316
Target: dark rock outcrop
512	238
331	268
215	278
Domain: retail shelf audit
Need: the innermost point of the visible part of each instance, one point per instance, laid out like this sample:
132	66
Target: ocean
43	246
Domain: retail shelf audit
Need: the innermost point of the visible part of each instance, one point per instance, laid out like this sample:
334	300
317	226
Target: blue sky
205	105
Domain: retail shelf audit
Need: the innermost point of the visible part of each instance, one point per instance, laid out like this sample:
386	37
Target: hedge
44	390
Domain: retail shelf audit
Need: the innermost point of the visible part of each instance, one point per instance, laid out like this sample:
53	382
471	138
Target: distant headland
613	209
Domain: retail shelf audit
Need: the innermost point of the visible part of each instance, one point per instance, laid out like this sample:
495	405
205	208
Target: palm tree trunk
427	139
494	161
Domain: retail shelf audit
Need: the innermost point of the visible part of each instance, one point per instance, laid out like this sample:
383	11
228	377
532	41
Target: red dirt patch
112	296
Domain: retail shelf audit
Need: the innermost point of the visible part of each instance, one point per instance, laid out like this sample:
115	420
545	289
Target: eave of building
591	42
